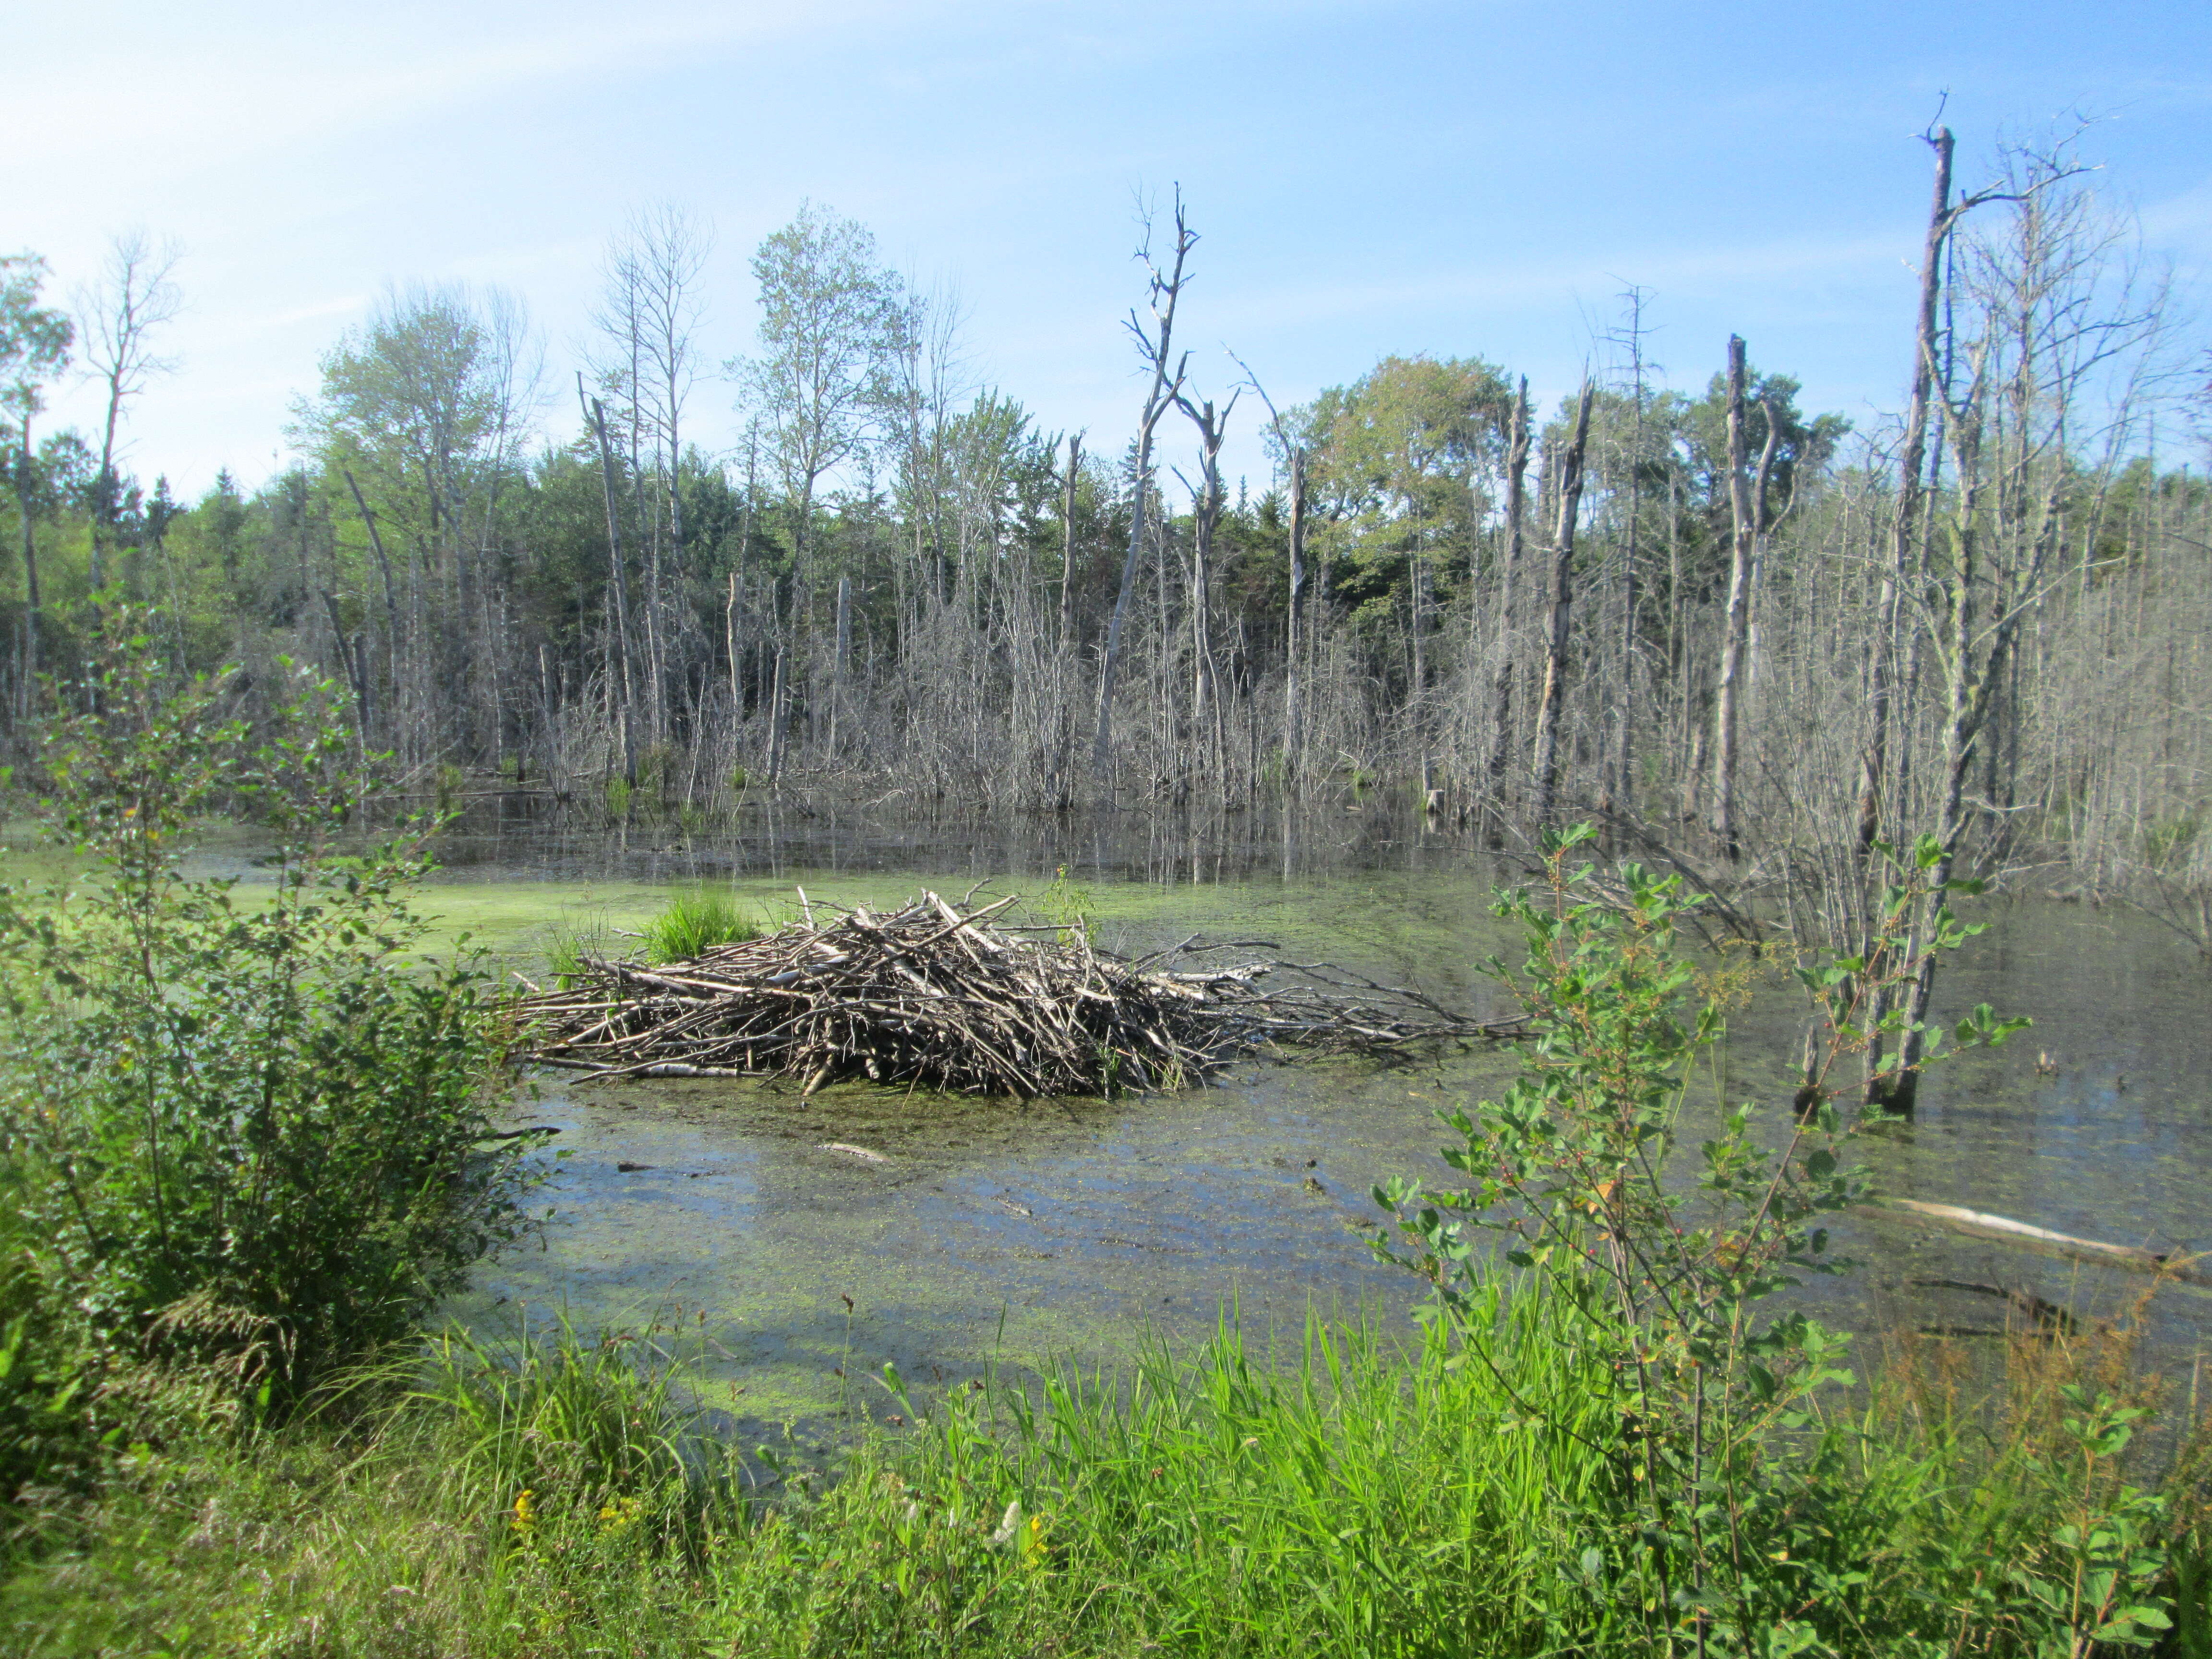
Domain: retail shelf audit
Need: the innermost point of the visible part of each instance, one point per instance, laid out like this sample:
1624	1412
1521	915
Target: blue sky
1368	176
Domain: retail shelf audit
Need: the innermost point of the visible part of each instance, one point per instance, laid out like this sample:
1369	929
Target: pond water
1002	1231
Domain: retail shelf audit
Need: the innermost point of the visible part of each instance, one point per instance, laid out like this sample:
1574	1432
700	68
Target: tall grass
697	923
1346	1494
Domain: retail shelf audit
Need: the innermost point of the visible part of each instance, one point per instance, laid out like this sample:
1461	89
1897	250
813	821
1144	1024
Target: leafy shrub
450	781
247	1136
1735	1521
1068	904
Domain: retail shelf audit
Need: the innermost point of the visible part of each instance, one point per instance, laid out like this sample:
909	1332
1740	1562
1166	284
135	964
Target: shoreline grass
1360	1499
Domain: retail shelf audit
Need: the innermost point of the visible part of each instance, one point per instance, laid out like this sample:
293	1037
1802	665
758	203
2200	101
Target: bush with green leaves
1722	1527
246	1133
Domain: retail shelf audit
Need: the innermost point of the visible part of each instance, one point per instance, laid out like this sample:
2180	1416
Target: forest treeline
1767	639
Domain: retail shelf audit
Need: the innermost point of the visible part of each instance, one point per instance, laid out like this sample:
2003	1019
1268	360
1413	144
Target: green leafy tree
832	319
1402	462
35	347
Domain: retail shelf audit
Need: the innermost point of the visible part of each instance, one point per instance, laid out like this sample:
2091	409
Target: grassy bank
1348	1498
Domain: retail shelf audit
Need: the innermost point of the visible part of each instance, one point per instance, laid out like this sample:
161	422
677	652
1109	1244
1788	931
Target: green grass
1354	1496
696	922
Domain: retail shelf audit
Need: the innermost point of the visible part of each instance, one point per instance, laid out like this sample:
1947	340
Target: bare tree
1516	502
595	415
1748	526
648	319
929	378
1291	450
1075	476
2040	325
1208	497
1943	217
1550	709
116	318
1155	349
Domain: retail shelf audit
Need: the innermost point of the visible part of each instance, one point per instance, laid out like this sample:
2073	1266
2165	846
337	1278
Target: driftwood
946	997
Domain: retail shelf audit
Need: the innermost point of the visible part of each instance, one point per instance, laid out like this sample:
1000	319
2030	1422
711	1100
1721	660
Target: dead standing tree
136	296
1747	525
1550	710
619	679
648	316
1517	507
1155	345
2039	335
1294	476
1943	217
1208	727
1067	547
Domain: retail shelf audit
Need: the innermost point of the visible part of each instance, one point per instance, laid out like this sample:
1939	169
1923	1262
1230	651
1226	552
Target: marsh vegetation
226	1432
1751	705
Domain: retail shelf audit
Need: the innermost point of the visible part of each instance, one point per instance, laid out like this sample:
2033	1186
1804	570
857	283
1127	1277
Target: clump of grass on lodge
695	922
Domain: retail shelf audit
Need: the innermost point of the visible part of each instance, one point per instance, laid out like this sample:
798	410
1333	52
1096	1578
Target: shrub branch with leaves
247	1134
1712	1526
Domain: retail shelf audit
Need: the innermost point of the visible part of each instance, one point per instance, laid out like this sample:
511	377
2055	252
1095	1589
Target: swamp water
964	1232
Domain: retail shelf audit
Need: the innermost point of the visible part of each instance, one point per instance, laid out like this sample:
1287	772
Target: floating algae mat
959	1000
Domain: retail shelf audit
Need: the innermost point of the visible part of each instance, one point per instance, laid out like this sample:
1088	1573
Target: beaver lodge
944	997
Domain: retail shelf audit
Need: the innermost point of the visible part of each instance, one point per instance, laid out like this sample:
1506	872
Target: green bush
245	1135
1742	1517
450	780
1068	905
697	923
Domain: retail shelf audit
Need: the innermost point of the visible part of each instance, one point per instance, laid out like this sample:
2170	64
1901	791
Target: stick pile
936	996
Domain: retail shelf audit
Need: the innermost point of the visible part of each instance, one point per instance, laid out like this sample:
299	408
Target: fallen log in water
937	996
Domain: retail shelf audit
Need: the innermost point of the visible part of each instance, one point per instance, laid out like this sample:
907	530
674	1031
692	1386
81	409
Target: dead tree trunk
1207	728
391	595
1292	642
1517	507
1563	592
1067	550
1743	529
1155	346
619	586
1294	467
1874	761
